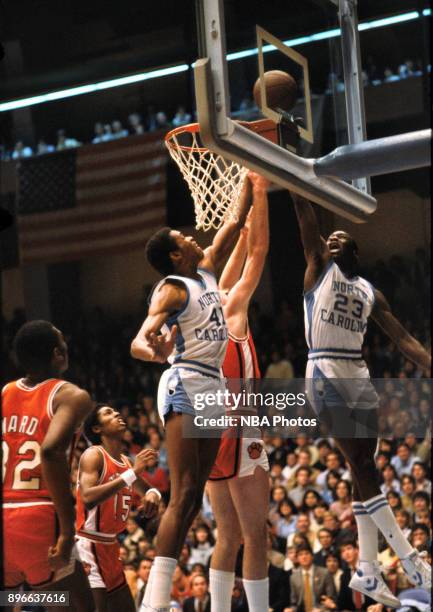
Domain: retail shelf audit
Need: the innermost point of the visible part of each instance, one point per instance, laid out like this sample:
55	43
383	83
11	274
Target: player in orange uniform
104	493
238	483
41	414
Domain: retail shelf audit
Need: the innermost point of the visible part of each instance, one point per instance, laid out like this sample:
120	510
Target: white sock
146	599
367	533
381	513
257	592
163	570
221	589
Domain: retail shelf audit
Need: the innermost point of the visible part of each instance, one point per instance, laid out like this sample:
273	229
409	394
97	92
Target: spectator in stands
156	477
181	117
200	597
348	599
420	536
421	503
390	480
286	524
311	586
291	466
327	546
389	76
279	367
134	534
333	462
394	500
328	494
303	484
136	123
404	460
407	492
143	572
162	122
403	520
310	501
333	565
118	130
21	150
108	132
279	452
43	147
99	133
342	506
239	600
202	546
419	472
63	142
303	528
181	586
323	448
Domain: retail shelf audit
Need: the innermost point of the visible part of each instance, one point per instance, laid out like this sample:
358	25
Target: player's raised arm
234	266
405	342
91	466
257	250
225	239
72	407
316	250
148	345
313	243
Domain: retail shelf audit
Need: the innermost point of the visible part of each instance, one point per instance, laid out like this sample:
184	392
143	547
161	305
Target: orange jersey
241	359
105	521
26	417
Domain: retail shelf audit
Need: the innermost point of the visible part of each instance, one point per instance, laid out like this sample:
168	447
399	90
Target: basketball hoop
215	183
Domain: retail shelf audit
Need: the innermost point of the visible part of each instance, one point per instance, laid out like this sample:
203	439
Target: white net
214	182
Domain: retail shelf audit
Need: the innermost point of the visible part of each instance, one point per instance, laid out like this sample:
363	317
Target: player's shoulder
92	456
73	396
8	387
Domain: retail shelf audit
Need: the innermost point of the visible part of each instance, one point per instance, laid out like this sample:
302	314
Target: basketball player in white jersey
238	483
338	304
186	306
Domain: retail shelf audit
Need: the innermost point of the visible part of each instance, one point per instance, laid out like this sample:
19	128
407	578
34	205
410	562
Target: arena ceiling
51	44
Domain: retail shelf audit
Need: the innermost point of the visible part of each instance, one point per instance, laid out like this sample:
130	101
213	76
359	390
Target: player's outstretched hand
162	344
150	504
258	180
59	555
142	458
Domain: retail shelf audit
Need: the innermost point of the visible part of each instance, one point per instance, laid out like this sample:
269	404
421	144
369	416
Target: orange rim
261	126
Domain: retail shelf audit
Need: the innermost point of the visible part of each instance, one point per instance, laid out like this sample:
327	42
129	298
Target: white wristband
154	491
129	477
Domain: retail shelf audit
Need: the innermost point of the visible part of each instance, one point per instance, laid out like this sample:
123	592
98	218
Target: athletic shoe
417	570
374	586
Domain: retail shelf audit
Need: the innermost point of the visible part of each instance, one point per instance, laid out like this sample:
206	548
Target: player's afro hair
91	422
158	249
34	344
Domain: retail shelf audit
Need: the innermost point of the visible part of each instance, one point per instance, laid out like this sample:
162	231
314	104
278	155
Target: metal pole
210	17
352	69
380	156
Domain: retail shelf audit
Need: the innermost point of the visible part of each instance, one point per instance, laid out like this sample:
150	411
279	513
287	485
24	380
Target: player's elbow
135	349
52	451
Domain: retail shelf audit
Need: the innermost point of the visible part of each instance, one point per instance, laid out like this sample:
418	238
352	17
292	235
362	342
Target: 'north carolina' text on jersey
202	335
336	314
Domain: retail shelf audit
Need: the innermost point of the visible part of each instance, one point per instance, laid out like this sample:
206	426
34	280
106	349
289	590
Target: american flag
95	200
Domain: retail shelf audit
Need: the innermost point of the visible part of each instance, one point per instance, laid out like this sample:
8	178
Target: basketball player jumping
338	304
187	304
104	493
238	483
41	414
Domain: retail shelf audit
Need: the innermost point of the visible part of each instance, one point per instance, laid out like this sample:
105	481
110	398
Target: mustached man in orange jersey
41	415
104	494
238	483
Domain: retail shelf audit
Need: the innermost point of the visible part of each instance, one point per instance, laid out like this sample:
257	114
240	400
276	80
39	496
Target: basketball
281	90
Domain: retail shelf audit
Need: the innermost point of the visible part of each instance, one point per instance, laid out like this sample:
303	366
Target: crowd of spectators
158	120
311	526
